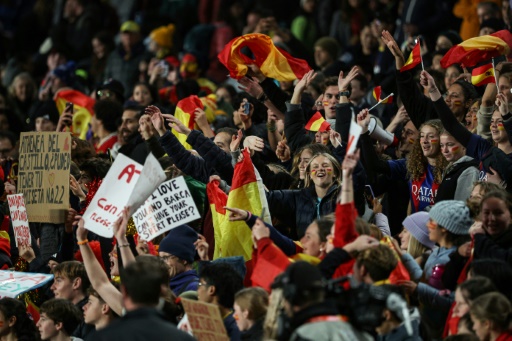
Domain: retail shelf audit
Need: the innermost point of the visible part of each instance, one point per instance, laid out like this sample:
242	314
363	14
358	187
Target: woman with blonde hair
414	238
492	316
250	310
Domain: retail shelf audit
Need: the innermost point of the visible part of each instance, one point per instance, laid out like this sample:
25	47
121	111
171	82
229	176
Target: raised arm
97	276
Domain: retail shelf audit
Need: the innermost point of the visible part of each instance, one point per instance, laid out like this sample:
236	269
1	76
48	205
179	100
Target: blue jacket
185	281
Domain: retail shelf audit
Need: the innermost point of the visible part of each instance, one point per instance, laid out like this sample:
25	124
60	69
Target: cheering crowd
351	162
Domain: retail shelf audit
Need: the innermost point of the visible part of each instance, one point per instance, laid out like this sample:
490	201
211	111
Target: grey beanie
452	215
416	224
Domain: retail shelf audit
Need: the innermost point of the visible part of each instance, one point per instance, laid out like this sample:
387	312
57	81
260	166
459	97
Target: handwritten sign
13	283
43	178
19	219
170	205
124	178
205	321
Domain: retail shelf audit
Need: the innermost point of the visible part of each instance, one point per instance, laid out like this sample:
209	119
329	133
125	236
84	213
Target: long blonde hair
335	165
417	163
275	305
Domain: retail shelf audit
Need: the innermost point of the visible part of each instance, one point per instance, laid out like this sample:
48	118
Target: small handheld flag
414	58
384	100
377	92
483	75
317	123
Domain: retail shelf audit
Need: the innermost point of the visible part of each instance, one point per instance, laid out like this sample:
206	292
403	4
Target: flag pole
495	78
382	100
421	57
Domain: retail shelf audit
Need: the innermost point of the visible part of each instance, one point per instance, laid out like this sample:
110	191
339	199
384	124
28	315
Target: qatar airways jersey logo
423	194
482	176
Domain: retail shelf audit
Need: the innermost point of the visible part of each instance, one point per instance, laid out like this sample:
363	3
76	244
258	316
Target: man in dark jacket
141	289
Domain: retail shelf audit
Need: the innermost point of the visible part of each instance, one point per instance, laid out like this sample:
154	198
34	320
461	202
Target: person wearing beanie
161	40
44	116
177	250
112	90
448	225
414	238
327	51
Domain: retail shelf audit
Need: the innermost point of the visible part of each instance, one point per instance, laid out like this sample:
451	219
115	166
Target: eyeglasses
200	284
104	93
167	257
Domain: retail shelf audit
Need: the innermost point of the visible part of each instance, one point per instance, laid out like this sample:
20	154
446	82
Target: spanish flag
185	113
483	75
83	106
272	61
472	51
233	238
377	92
400	273
317	123
414	58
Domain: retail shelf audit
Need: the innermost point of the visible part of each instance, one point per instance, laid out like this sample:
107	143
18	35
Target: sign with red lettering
169	206
124	178
19	219
13	283
205	321
43	175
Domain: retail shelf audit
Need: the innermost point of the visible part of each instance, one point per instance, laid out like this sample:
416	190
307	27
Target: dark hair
260	110
378	261
107	40
152	90
82	152
62	311
494	307
225	279
476	286
131	106
73	269
324	226
229	88
332	81
497	270
10	136
108	112
92	292
142	282
96	167
163	268
456	239
363	82
462	337
468	89
466	319
499	194
228	130
24	328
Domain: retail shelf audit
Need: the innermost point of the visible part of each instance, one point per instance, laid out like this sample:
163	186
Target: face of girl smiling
304	159
471	116
321	171
498	132
429	140
451	149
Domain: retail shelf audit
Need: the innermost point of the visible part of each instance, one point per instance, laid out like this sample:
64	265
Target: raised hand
176	124
343	83
235	141
156	118
81	232
237	214
119	227
363	119
145	127
254	143
335	138
202	247
283	151
502	103
251	86
392	45
200	118
361	243
350	163
75	187
305	81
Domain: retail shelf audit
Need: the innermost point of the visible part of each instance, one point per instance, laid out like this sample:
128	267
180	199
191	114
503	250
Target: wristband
263	97
345	93
83	242
123	245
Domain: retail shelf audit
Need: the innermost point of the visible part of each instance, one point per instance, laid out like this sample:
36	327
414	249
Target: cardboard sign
205	321
19	219
13	283
125	183
43	176
170	205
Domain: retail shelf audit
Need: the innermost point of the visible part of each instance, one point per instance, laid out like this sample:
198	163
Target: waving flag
272	61
483	75
377	92
185	114
83	109
414	58
233	238
317	123
474	50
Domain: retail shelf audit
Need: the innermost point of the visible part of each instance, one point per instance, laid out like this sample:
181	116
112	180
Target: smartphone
70	108
369	195
247	108
165	68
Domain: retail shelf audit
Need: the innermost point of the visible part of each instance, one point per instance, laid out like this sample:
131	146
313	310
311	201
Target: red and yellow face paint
457	103
328	170
501	126
434	141
411	140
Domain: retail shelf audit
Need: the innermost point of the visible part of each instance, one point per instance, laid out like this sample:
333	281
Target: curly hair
417	163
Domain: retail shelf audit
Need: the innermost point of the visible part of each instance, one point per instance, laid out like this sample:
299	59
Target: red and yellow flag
83	109
317	123
233	238
185	114
272	61
472	51
377	92
414	58
483	75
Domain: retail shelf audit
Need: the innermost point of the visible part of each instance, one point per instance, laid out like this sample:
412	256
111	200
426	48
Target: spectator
59	317
17	325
